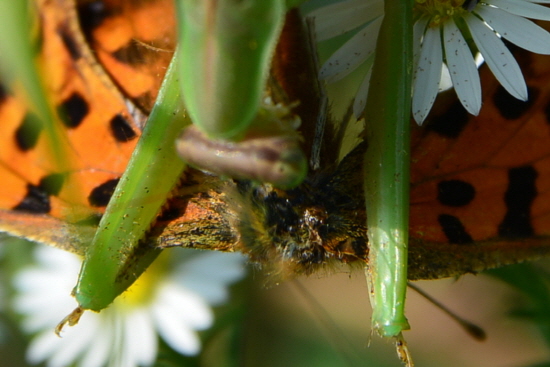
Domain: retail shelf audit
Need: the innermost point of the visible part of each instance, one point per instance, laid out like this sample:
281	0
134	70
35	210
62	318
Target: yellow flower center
143	290
440	11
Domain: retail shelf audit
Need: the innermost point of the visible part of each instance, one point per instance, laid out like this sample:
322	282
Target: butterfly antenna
474	330
333	333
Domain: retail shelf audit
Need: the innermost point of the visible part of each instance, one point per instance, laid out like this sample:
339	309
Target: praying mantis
216	82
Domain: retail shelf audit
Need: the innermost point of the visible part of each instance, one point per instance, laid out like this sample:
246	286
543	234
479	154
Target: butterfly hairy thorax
478	183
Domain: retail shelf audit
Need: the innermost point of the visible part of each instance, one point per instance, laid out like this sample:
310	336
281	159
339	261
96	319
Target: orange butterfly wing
102	134
134	41
92	101
487	176
480	184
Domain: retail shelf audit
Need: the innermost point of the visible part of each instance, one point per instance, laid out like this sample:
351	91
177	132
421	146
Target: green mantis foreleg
228	45
387	165
115	259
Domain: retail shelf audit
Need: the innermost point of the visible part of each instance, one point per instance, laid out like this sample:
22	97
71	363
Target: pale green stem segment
116	258
20	71
228	45
387	170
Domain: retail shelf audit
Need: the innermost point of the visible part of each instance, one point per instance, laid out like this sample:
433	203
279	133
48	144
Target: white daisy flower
440	31
339	18
171	300
487	22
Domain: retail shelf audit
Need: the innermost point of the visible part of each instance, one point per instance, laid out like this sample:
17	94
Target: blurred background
288	330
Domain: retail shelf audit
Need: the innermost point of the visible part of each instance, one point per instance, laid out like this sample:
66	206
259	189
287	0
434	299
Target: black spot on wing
454	229
91	15
37	199
132	53
121	129
70	43
519	197
101	195
451	123
511	108
455	193
27	134
73	110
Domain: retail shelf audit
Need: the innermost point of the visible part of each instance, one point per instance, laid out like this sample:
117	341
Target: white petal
462	68
98	352
445	82
185	306
42	347
522	8
72	346
339	18
516	29
361	96
140	337
53	258
352	54
213	292
419	29
209	274
48	314
42	310
179	337
498	57
225	268
427	75
124	355
43	292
